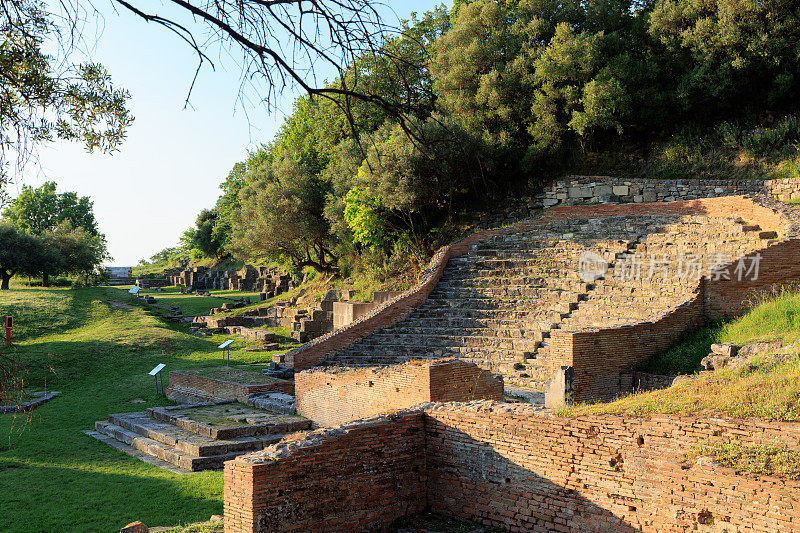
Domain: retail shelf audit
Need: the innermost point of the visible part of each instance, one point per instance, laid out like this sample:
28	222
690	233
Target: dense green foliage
42	209
44	96
49	234
494	98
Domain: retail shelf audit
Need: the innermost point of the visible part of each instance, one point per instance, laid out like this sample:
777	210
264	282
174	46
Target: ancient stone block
620	190
560	388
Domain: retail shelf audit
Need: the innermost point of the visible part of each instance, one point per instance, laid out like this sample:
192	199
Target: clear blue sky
174	159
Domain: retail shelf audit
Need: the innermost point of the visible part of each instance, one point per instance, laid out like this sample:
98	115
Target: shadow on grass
82	498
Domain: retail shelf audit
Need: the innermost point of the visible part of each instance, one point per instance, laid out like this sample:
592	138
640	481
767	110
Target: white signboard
225	344
133	290
157	369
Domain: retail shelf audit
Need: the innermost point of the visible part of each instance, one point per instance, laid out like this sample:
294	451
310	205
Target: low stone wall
357	478
516	467
606	189
183	380
334	396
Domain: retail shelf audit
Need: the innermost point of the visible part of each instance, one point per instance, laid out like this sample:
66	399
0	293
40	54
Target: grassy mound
52	476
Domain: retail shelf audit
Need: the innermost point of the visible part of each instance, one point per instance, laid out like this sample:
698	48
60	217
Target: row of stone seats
647	284
497	305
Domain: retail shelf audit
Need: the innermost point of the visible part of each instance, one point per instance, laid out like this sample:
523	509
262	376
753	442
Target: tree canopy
481	100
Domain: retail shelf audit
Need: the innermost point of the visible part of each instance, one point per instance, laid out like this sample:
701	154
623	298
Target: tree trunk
6	277
45	279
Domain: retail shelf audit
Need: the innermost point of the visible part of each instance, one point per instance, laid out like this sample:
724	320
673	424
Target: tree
44	96
42	209
73	250
20	252
204	238
282	217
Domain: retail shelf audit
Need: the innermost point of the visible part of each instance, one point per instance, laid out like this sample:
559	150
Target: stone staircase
497	305
661	271
200	436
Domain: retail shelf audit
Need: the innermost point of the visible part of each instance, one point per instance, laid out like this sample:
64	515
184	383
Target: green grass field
52	476
192	304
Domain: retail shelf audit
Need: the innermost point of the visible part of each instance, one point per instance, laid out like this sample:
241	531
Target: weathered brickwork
514	467
358	478
391	311
511	299
334	396
539	473
204	388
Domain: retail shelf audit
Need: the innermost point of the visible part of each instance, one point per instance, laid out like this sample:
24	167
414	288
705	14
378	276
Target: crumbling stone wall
515	467
334	396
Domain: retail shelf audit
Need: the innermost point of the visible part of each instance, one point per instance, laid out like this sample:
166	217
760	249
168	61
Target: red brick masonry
514	467
331	397
223	389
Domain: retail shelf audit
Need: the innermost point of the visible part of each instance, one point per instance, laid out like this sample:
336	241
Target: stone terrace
497	305
189	438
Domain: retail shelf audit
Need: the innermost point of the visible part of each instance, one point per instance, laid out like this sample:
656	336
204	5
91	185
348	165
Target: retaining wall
514	467
604	189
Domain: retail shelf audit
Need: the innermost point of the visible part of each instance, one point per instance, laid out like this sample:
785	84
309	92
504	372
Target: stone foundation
605	189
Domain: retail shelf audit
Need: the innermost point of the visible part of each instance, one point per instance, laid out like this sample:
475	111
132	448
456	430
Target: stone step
515	282
503	293
181	394
443	312
437	328
253	424
186	442
169	454
440	340
560	305
403	351
465	272
272	401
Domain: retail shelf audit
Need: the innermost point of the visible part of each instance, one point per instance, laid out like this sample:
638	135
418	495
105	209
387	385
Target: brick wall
331	397
515	467
349	479
511	468
222	389
598	357
779	267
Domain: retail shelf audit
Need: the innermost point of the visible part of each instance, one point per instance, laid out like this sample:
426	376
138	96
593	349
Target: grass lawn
52	476
191	304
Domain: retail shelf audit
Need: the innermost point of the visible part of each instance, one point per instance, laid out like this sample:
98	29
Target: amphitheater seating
497	305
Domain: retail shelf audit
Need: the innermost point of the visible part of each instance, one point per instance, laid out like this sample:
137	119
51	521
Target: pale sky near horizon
173	160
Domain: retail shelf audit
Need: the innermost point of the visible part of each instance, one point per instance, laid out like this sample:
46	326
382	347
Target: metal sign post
135	292
8	322
225	347
159	378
